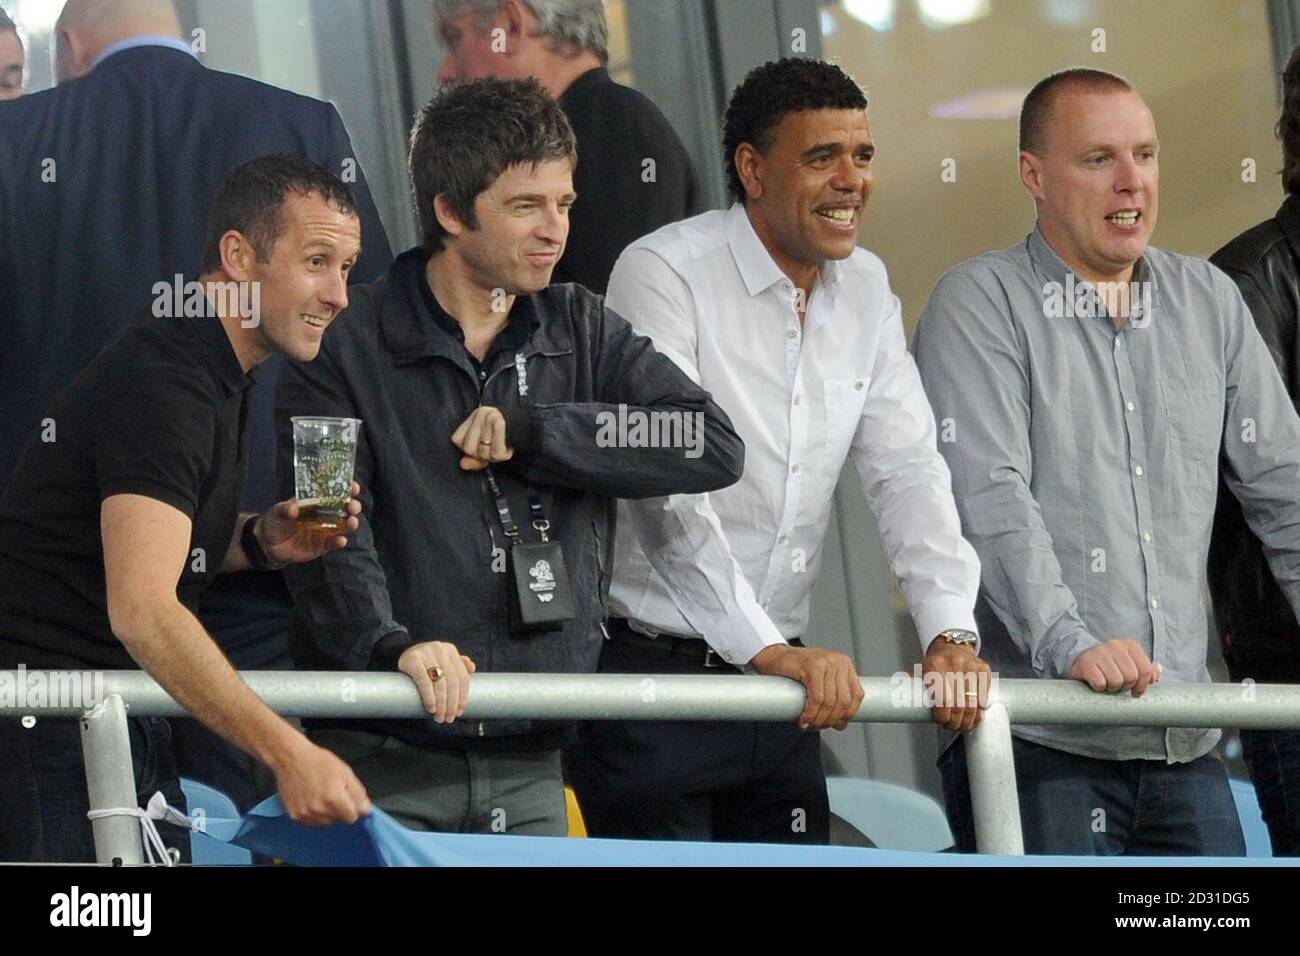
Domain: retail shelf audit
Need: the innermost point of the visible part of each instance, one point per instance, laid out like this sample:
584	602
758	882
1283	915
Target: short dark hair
1288	125
471	133
6	23
1037	108
771	91
252	195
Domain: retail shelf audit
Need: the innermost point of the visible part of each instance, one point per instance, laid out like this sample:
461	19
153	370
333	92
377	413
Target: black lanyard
540	523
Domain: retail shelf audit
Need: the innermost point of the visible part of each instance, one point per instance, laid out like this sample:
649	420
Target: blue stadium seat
896	818
890	816
215	813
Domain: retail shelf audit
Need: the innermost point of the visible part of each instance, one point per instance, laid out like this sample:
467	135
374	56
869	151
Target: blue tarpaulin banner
379	840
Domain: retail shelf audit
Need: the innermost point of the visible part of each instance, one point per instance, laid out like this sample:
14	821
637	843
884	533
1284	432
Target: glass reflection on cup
324	456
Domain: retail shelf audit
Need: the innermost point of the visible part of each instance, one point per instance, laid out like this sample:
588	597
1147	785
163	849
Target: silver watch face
959	637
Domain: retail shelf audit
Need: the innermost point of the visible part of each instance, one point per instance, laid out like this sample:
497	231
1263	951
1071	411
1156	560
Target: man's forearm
591	447
1024	587
1263	467
1021	578
683	539
172	646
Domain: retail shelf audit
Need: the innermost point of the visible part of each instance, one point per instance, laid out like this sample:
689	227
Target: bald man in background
108	179
13	60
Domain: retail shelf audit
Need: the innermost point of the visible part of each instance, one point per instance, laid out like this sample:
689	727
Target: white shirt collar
131	43
758	270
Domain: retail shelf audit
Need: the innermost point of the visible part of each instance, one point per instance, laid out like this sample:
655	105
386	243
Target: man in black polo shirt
127	506
463	357
633	175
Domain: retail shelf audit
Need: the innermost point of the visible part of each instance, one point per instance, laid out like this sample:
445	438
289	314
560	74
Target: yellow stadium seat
576	827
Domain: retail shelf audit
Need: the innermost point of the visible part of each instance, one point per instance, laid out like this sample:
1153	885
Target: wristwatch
253	550
958	637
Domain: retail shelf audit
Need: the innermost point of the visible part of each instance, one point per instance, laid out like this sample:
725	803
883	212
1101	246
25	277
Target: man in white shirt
794	330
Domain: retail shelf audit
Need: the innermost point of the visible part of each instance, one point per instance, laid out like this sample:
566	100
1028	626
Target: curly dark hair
1288	125
471	133
771	91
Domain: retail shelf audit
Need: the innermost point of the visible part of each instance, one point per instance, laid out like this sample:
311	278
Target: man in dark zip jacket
469	370
1261	640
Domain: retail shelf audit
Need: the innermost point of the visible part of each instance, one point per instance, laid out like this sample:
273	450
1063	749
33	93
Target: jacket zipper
600	555
483	383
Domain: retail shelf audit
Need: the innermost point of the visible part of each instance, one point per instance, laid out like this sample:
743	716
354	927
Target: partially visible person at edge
1258	628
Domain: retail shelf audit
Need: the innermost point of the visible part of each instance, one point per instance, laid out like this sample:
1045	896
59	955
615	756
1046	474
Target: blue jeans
1081	806
43	801
1273	757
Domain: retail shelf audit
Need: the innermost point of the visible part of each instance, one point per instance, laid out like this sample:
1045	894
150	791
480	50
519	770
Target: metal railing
110	779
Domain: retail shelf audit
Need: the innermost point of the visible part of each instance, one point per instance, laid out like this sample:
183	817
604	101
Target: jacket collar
593	78
411	333
142	43
1288	218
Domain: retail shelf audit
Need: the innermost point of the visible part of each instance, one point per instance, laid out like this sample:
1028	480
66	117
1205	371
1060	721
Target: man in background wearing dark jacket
500	413
1261	641
633	174
13	60
105	186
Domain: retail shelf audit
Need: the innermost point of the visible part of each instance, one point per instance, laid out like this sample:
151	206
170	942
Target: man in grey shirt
1085	386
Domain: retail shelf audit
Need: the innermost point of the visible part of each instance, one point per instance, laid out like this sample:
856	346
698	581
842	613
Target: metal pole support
992	771
110	782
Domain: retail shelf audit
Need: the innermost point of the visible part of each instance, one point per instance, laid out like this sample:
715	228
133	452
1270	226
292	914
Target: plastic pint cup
324	456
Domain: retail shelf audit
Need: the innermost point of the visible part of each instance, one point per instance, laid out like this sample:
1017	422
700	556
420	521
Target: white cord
155	851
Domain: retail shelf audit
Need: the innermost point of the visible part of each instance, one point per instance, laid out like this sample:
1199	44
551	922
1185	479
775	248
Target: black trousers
43	798
696	780
1273	757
